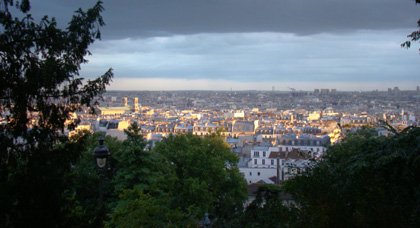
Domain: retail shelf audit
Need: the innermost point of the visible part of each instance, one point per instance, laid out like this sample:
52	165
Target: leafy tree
207	177
138	209
134	135
269	209
366	181
137	178
83	205
138	167
182	178
40	86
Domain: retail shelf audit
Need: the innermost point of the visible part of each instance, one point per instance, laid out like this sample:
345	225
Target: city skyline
249	45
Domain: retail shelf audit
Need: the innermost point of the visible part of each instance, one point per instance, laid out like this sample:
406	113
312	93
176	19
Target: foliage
364	181
138	167
414	36
138	209
207	177
133	133
84	186
269	209
182	178
40	86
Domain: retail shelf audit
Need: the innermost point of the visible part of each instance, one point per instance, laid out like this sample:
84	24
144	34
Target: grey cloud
362	56
165	17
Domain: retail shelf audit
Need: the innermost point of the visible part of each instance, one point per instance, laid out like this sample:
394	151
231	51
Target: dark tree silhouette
40	87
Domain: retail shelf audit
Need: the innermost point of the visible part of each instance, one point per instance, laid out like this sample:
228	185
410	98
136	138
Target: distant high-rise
125	101
325	91
136	104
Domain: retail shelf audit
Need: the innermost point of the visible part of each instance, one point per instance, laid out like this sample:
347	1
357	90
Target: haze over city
247	44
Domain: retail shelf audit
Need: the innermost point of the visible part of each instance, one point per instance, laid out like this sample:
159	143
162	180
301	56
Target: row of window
264	154
263	161
258	173
257	153
299	142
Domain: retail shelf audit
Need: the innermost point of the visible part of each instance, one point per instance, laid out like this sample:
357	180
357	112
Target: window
263	161
255	161
256	154
272	161
250	173
258	173
264	154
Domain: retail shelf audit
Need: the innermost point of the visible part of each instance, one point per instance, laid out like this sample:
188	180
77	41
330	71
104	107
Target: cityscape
216	113
259	126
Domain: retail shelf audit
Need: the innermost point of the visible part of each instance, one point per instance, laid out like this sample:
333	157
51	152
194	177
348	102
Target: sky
251	44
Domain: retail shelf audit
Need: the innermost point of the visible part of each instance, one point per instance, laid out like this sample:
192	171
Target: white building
265	161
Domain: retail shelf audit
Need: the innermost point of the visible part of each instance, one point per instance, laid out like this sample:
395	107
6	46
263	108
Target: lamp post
205	222
101	155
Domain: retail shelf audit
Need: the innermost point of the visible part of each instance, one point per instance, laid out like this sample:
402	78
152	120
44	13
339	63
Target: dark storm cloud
164	17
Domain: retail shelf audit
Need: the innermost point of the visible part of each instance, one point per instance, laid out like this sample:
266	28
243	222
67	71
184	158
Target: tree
268	209
137	180
138	209
40	86
83	204
139	168
182	178
207	178
364	181
414	36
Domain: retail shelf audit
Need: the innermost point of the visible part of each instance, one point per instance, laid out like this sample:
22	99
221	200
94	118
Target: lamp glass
101	162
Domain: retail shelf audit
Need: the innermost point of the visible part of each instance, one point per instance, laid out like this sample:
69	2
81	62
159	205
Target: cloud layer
128	18
250	44
365	56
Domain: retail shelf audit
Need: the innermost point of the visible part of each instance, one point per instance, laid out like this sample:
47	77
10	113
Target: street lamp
101	154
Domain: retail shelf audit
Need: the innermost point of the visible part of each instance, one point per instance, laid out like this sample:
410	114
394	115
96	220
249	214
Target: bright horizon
149	84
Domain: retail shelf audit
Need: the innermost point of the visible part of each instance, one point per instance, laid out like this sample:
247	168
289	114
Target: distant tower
125	101
136	105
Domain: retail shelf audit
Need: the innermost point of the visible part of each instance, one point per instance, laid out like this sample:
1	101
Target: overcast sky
251	44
